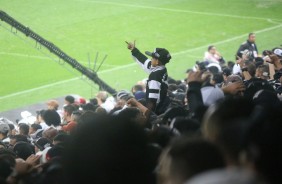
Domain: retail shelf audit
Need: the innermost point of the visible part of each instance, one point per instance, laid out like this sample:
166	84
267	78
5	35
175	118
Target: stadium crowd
222	124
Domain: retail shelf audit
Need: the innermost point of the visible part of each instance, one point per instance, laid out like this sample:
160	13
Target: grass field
29	74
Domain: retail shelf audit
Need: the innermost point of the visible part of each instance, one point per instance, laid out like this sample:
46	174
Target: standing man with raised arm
156	87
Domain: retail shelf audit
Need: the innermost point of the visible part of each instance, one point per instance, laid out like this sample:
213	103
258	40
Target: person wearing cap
156	87
4	130
250	46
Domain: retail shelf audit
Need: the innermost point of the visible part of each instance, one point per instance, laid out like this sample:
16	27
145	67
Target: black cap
42	143
161	54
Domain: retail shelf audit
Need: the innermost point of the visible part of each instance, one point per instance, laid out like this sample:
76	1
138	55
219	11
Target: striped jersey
156	87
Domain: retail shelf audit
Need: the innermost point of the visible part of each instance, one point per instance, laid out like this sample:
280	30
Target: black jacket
156	87
252	47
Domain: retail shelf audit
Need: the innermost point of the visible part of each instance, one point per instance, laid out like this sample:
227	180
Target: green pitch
30	74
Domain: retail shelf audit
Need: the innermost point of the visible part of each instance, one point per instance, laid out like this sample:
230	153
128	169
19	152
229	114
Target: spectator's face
252	38
154	62
39	119
13	132
212	50
31	130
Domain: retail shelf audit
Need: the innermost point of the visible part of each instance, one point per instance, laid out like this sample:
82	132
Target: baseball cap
42	143
278	52
123	94
161	54
4	127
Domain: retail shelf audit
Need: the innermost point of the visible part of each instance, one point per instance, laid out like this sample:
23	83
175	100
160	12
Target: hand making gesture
130	45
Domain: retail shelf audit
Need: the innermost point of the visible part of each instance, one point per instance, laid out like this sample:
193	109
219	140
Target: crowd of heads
222	125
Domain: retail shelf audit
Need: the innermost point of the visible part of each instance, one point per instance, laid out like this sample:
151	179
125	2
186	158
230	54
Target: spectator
52	118
70	126
213	56
278	78
250	46
53	105
41	144
40	119
185	158
262	72
137	88
4	130
156	88
69	100
50	133
17	138
13	130
7	163
225	73
224	124
105	101
23	150
114	149
24	129
35	131
62	138
68	110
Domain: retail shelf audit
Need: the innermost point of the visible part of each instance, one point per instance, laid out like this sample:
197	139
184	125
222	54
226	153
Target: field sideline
81	27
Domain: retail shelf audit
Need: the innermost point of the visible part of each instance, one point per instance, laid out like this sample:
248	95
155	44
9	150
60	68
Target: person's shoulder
244	43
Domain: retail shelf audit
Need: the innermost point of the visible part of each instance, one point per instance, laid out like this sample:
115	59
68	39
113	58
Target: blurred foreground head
107	150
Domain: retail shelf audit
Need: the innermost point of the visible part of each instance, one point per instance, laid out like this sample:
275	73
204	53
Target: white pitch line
227	40
35	89
178	10
24	55
134	64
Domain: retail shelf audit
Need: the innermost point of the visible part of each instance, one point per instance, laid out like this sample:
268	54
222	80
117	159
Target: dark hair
70	99
11	126
36	126
218	78
226	71
51	117
7	163
19	138
23	150
87	107
186	126
263	144
137	87
250	34
41	112
130	113
193	156
70	108
93	101
24	128
114	149
230	65
224	117
61	137
210	47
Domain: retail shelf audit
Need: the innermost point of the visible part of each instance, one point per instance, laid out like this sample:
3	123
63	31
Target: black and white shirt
156	87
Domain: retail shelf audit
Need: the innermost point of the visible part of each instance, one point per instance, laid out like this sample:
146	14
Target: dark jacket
156	87
252	47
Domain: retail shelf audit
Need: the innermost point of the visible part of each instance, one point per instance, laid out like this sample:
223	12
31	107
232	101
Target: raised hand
130	45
